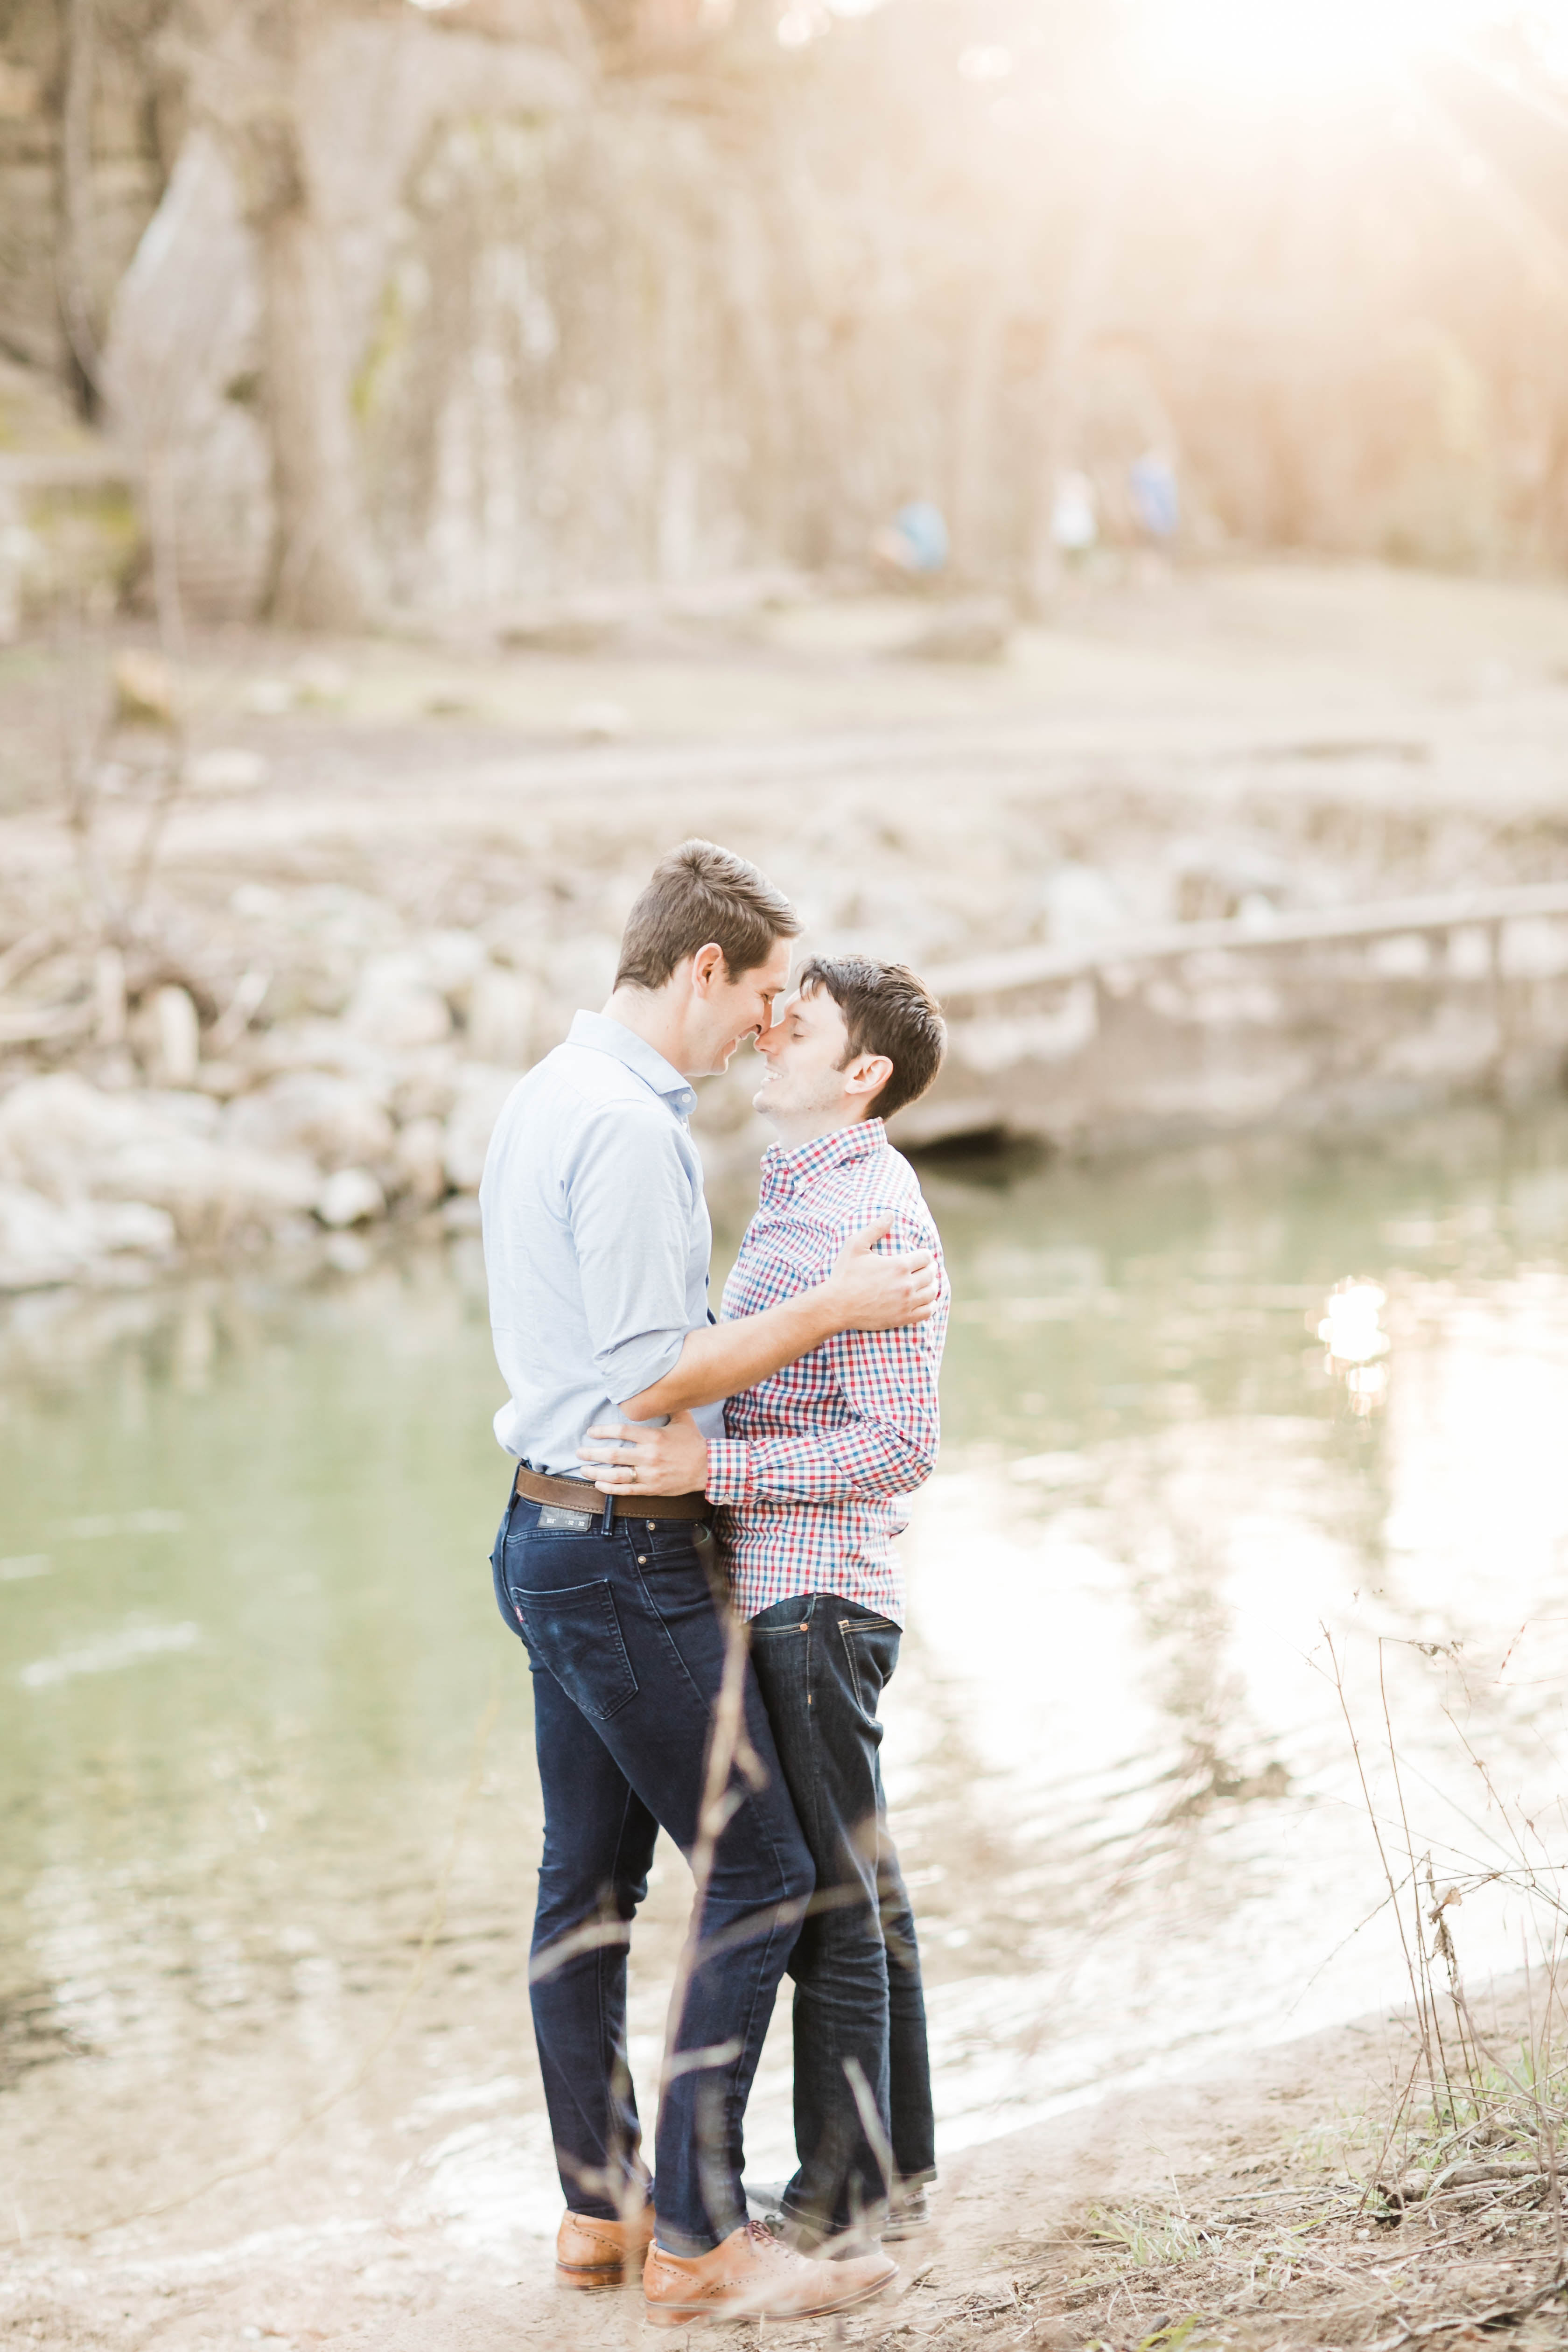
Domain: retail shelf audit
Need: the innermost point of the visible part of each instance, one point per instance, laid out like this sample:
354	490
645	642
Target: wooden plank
1456	910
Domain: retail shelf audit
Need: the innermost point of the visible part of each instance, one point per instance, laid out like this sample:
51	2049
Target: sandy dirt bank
1233	2207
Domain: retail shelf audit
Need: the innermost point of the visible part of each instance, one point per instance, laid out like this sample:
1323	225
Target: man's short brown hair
701	894
887	1009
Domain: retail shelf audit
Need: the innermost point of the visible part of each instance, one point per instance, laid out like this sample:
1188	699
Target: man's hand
869	1292
643	1461
864	1292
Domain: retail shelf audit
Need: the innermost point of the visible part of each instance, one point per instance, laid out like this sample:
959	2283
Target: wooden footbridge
1335	1014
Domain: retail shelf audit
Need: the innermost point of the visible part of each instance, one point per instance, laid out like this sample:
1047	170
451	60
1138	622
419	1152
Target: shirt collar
836	1149
602	1036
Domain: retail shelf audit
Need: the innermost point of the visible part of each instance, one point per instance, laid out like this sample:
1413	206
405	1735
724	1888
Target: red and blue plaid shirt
814	1460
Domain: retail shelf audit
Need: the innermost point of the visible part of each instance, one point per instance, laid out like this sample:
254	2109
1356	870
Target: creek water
1206	1630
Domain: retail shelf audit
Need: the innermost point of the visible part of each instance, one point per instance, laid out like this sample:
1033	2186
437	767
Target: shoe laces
767	2241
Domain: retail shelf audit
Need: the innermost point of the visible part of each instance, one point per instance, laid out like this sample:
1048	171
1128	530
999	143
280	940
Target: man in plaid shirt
811	1472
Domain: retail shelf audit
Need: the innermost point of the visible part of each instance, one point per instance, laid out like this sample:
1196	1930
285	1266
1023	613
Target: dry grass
1304	2250
1340	2235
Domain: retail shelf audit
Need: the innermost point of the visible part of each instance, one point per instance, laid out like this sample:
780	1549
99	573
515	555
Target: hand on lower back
634	1458
872	1290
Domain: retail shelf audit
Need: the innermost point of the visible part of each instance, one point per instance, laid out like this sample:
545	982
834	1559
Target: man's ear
867	1074
707	968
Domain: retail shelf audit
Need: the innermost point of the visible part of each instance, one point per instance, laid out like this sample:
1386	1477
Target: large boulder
44	1242
396	1005
504	1013
367	90
65	1139
335	1120
186	322
166	1034
451	961
473	1115
406	1000
350	1196
420	1162
315	1042
427	1085
974	629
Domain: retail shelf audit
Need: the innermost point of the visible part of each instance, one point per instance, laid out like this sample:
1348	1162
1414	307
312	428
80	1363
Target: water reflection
1353	1341
1127	1637
260	1713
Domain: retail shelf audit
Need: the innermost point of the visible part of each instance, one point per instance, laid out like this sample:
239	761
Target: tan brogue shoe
751	2276
592	2253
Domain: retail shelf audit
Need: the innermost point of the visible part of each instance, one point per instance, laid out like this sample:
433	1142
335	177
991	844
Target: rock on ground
336	1120
473	1113
44	1242
73	1144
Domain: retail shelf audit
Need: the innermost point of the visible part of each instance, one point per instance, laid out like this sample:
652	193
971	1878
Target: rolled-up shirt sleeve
885	1446
627	1199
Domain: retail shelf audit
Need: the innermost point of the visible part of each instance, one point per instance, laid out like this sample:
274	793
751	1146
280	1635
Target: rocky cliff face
564	377
588	313
89	129
574	375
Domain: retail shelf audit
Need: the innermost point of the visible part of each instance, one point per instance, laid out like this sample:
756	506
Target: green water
257	1703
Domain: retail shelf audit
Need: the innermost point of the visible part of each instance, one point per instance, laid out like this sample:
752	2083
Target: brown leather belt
579	1495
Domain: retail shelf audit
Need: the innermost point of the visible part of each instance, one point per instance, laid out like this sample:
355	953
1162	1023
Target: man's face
803	1051
734	1010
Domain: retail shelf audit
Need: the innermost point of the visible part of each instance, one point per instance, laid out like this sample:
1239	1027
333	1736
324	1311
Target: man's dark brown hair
887	1009
699	894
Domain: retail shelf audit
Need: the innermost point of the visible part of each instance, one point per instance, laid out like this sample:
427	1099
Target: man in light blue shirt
597	1238
597	1245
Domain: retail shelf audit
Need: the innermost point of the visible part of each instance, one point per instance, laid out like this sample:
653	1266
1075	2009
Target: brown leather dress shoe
752	2275
592	2253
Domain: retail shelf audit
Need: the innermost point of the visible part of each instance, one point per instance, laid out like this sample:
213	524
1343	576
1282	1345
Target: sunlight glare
1264	50
1353	1339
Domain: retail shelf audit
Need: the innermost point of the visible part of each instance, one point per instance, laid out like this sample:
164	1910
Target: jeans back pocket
576	1636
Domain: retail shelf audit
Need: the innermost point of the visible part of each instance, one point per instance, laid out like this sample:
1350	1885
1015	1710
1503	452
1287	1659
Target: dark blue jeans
627	1638
822	1664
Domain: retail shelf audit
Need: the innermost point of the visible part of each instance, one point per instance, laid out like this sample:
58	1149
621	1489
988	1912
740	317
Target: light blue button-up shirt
596	1239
